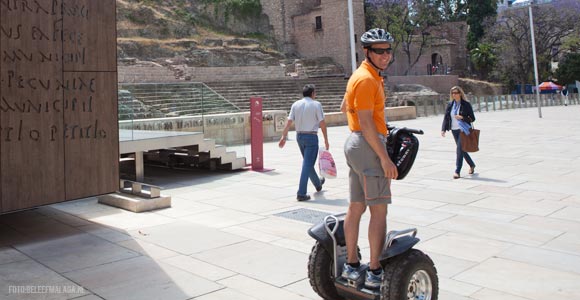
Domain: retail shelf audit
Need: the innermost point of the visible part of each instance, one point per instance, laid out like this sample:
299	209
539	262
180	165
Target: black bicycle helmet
376	36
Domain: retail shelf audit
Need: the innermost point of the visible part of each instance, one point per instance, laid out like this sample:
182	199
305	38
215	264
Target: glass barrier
191	111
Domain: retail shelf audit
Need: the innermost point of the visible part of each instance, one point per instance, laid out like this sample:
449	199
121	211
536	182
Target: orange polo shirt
365	91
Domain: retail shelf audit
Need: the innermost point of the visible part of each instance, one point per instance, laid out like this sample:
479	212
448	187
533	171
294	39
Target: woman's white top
454	112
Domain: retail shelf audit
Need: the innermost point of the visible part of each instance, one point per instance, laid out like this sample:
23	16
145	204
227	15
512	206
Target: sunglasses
455	93
381	51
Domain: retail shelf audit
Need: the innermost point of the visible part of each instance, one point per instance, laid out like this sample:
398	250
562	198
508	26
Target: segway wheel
411	275
320	273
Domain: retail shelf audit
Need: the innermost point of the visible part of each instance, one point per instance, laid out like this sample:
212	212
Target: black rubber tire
399	272
320	264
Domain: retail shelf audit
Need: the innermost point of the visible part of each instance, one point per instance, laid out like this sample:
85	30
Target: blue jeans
460	153
308	144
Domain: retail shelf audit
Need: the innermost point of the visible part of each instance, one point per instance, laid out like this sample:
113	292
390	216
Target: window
318	23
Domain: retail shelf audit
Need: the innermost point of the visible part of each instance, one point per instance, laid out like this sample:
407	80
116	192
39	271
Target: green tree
240	8
571	43
568	69
409	23
478	12
510	35
483	59
452	10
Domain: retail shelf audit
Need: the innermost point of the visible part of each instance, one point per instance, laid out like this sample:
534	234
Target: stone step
203	154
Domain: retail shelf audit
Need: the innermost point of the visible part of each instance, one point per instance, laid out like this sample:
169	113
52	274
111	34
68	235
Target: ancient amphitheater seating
175	99
145	74
241	73
280	94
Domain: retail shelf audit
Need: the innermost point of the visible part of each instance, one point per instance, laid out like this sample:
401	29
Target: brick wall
456	32
447	41
293	25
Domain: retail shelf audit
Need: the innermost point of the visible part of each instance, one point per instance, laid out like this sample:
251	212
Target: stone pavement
511	231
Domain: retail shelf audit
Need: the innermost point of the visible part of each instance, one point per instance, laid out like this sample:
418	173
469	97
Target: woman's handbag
469	142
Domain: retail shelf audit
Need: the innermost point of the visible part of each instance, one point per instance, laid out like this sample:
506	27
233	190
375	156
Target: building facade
319	28
445	52
316	28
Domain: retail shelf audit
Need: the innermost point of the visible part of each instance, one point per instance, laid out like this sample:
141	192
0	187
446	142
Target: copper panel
89	35
91	135
43	110
31	113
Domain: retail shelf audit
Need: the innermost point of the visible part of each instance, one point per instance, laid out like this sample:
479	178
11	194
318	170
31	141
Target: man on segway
371	169
375	155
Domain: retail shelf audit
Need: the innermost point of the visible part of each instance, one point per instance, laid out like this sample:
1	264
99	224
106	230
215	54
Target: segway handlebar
410	130
331	231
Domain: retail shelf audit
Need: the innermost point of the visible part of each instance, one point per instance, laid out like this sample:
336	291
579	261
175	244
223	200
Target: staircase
160	100
172	148
280	94
146	73
184	150
203	155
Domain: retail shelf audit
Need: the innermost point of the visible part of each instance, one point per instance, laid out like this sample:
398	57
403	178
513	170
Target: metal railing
435	105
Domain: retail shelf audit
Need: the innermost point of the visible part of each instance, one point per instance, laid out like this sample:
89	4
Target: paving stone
31	280
259	261
465	247
186	238
221	218
259	290
198	267
509	232
515	205
74	252
9	255
497	230
142	278
523	280
543	258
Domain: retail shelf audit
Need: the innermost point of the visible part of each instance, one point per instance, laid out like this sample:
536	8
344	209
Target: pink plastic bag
326	164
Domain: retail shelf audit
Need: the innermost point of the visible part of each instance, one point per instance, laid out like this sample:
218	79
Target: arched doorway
436	66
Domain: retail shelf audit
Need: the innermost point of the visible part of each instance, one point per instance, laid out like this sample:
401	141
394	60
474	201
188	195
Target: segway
408	273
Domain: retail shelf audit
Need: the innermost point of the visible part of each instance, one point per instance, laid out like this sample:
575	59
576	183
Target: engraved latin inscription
26	94
48	8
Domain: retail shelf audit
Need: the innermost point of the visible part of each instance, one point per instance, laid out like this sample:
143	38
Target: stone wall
456	32
279	13
234	128
439	83
333	39
477	87
293	25
448	41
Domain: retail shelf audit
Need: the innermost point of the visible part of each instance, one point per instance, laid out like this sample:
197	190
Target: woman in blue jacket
458	110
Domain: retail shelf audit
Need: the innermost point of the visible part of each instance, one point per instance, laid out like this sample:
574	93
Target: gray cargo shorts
367	180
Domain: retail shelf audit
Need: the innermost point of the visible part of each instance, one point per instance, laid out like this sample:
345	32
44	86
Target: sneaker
322	180
303	198
373	281
351	273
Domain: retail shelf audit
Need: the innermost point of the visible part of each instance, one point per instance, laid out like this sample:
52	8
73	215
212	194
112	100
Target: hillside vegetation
196	33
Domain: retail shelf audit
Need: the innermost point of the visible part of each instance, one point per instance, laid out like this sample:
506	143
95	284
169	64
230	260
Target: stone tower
316	28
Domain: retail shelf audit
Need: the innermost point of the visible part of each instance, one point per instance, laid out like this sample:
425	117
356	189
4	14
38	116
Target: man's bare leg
351	228
377	231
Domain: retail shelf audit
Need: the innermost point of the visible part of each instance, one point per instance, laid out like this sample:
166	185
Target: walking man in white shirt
308	116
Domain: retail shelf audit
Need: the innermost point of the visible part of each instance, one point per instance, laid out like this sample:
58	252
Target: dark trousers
460	153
